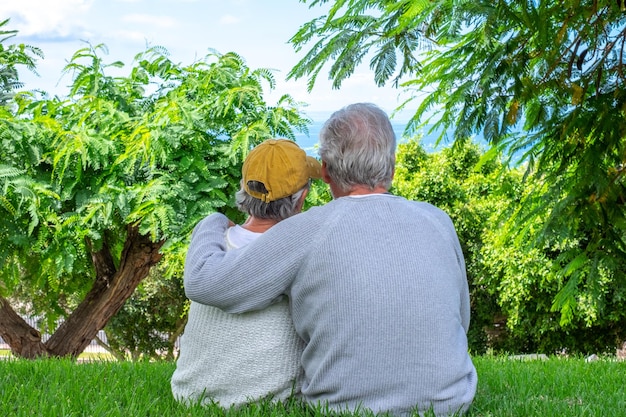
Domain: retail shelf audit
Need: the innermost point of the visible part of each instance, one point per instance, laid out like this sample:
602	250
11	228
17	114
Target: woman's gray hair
358	145
276	210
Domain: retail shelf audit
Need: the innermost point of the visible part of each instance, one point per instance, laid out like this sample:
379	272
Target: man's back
382	301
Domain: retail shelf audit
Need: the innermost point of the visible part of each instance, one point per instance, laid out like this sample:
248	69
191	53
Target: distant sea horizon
428	140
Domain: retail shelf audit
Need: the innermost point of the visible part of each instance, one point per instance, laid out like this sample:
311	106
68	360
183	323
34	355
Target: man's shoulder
423	208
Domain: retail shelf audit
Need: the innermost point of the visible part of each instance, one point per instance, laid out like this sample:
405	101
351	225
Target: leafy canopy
157	149
543	81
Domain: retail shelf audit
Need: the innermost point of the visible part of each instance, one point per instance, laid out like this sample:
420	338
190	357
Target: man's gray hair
280	209
358	145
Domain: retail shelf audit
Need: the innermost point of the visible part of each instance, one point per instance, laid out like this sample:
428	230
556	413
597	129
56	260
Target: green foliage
151	320
347	34
542	81
319	194
530	282
512	287
158	149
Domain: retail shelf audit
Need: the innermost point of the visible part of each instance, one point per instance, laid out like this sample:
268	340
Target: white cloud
229	20
132	35
158	21
44	17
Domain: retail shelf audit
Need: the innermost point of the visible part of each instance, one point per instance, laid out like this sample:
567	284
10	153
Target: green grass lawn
87	356
554	387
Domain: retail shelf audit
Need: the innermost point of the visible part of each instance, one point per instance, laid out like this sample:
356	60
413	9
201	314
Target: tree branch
24	340
108	293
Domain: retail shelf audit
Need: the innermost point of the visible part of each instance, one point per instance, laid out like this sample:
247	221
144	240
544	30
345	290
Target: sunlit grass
553	387
87	356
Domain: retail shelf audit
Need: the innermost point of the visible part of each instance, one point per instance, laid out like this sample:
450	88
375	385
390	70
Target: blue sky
258	30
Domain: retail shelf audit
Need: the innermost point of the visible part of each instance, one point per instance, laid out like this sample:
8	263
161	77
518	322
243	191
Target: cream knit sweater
237	358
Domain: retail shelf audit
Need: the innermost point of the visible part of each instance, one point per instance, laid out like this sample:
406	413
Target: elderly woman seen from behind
233	359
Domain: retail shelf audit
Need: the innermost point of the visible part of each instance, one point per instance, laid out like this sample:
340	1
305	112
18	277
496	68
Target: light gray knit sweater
234	359
378	292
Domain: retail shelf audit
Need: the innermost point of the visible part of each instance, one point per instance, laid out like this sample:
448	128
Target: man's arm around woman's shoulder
239	280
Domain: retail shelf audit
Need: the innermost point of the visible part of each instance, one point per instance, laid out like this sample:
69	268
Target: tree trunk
111	289
24	340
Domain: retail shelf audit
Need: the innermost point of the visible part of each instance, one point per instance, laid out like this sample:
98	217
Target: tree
542	81
99	187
